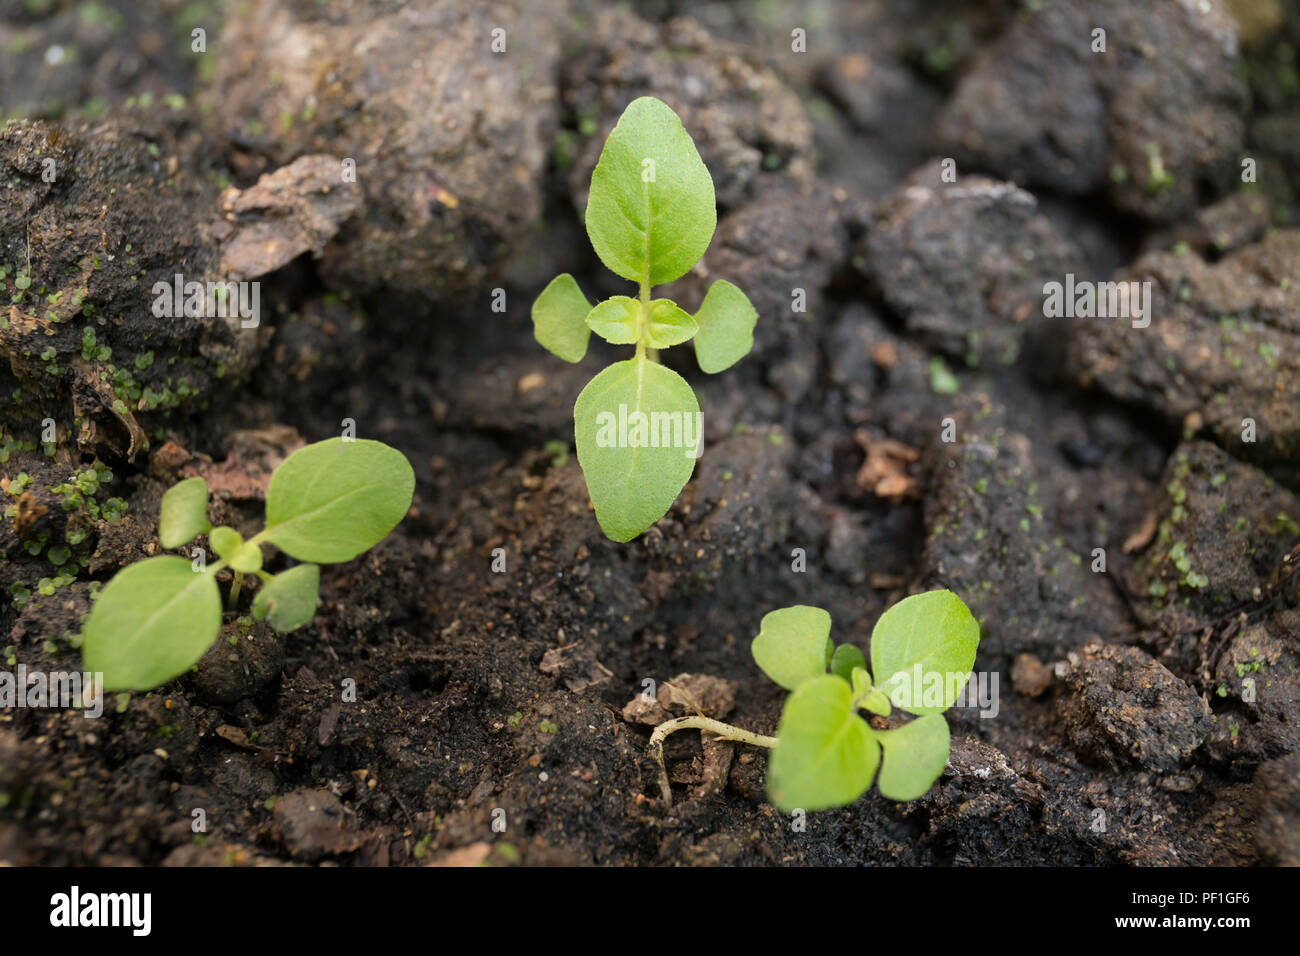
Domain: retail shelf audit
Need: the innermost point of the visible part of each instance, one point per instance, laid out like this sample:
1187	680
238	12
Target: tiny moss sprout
825	754
326	503
650	217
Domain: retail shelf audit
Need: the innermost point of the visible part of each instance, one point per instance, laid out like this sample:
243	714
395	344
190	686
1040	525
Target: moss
1284	522
1158	177
942	381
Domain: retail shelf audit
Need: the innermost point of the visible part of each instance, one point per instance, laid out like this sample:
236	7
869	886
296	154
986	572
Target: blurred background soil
1147	706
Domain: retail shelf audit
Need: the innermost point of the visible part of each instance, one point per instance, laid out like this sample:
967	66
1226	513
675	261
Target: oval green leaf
332	500
846	660
615	320
668	325
559	316
637	428
922	651
825	754
915	755
225	541
651	211
875	702
793	644
151	623
288	600
247	558
726	319
184	512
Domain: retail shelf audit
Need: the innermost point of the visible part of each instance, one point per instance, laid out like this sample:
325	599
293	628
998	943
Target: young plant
325	503
650	216
825	754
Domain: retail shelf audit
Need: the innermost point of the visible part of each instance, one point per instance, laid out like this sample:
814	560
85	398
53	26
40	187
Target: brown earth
1146	710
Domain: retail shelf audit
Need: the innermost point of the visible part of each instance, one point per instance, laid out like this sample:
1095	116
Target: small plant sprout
650	216
325	503
825	753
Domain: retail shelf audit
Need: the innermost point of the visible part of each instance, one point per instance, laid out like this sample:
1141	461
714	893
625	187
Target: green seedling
326	503
825	754
650	216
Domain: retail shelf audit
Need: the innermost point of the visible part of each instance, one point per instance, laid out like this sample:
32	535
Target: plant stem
724	731
643	320
233	601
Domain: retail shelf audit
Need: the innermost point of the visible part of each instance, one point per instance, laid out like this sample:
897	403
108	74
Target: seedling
326	503
650	216
825	754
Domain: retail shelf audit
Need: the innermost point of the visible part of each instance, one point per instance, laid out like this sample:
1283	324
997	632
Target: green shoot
326	503
650	216
825	754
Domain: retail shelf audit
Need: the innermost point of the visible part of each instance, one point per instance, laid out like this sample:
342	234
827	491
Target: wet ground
1116	503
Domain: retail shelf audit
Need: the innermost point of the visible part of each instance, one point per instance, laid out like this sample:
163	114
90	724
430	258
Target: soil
467	692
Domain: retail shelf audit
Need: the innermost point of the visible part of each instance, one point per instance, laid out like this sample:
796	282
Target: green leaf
942	381
825	754
865	696
915	755
846	659
151	623
288	600
651	210
726	320
184	512
615	320
793	644
225	541
668	325
559	319
247	558
875	702
332	500
637	428
922	651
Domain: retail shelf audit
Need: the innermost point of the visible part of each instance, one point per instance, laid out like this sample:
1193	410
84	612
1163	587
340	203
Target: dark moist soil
469	690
